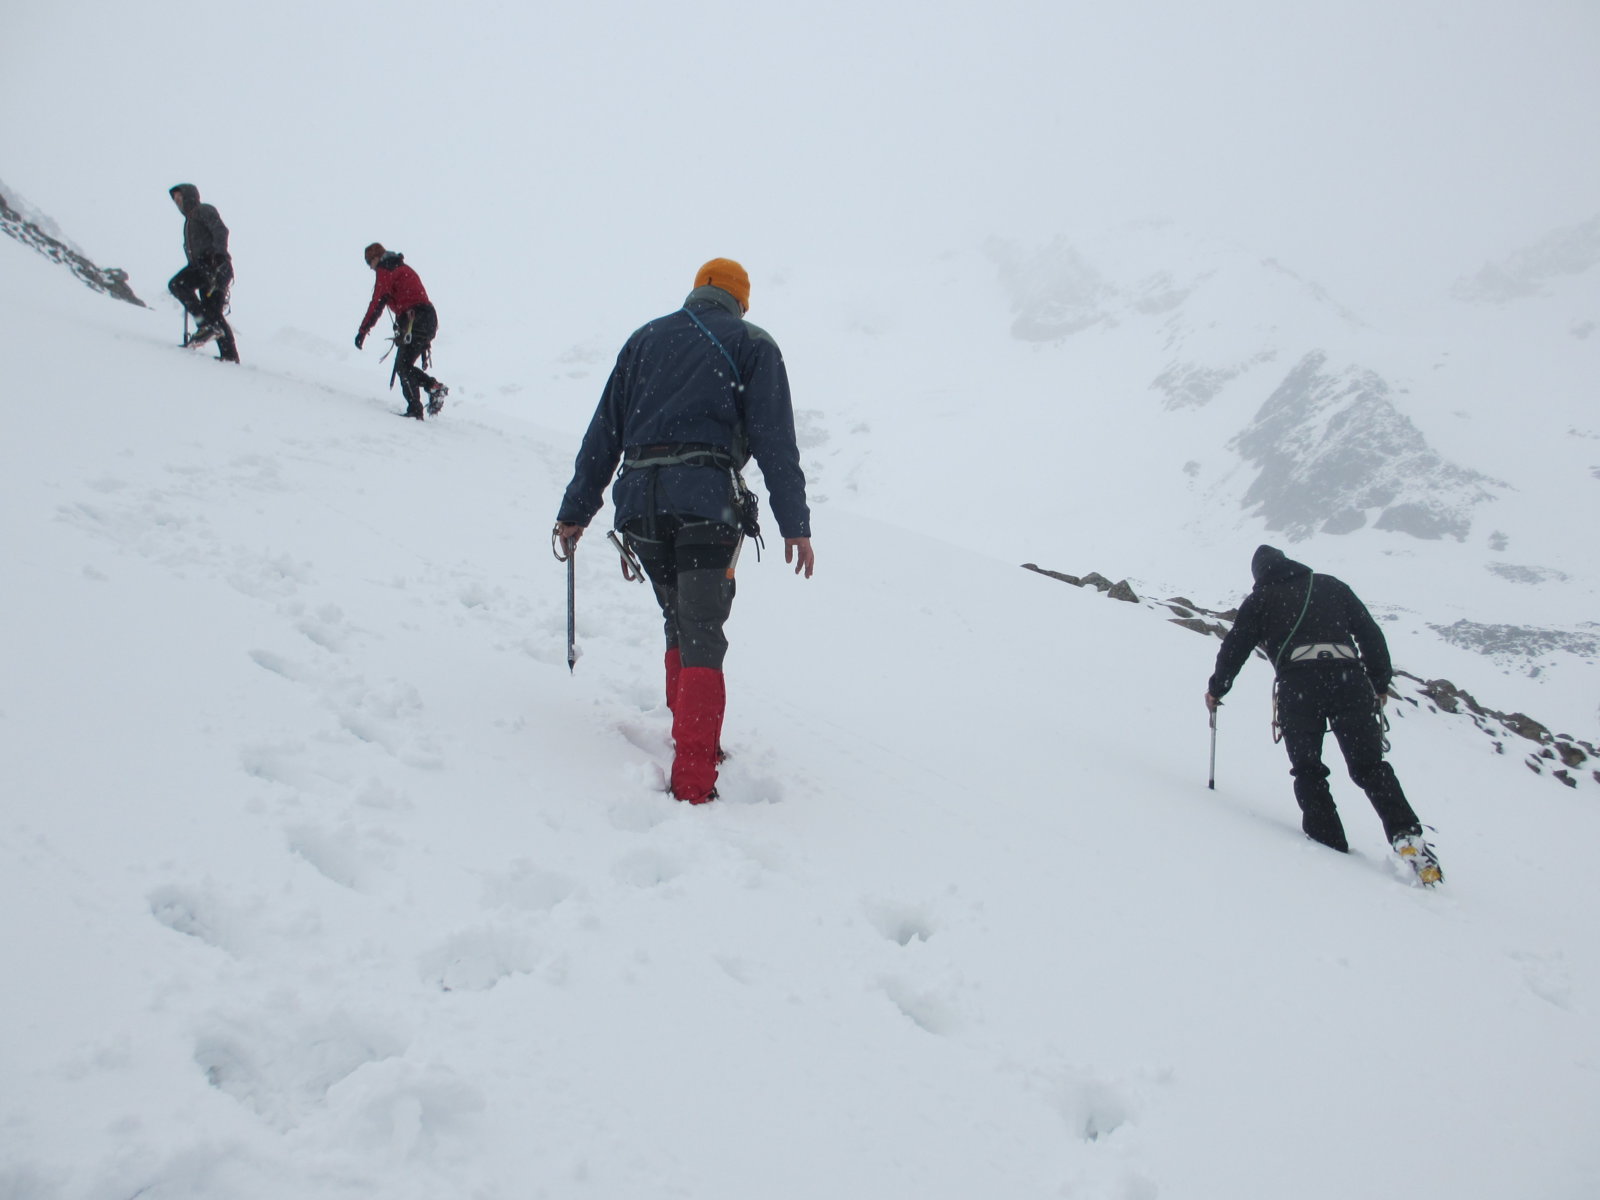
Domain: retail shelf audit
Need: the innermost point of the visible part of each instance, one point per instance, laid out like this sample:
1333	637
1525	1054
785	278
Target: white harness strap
1315	651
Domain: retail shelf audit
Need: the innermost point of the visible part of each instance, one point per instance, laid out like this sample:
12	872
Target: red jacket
397	286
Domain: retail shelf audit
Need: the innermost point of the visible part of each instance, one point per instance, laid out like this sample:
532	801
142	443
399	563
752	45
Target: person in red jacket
415	322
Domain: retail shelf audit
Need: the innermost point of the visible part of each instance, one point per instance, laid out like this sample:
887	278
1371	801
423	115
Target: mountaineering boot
436	394
696	727
1419	856
1322	824
413	399
203	333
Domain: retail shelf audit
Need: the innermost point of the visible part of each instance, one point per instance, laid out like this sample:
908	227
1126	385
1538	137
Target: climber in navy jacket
693	395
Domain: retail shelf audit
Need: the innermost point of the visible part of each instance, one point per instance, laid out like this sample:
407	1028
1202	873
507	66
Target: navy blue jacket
1278	615
672	386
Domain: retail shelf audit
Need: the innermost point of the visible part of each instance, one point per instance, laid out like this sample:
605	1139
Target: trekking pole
1211	780
557	546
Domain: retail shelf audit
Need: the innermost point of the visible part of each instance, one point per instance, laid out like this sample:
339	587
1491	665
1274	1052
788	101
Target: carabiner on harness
632	569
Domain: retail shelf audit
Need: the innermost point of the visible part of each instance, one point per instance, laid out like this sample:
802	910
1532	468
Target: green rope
1296	627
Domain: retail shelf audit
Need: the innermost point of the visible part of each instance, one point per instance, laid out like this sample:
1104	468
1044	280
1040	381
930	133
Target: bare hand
1212	703
798	551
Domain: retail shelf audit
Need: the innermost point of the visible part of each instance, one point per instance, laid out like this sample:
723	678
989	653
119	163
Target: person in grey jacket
202	286
693	395
1333	671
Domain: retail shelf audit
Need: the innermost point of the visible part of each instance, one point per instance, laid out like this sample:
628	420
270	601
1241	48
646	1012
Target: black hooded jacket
1290	606
205	237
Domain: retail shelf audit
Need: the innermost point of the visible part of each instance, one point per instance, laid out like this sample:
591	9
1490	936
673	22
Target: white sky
1372	144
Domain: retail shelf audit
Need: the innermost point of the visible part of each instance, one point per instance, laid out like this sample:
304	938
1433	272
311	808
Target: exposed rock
1331	447
1570	251
1519	642
1122	590
1191	385
110	280
1521	574
1072	579
1057	292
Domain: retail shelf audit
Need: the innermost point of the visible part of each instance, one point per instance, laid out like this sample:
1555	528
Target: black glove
360	337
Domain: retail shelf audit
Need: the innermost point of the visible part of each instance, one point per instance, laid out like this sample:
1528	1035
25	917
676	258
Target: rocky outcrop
27	230
1330	444
1331	448
1509	644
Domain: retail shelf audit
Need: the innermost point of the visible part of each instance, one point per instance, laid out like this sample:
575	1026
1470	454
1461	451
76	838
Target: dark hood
188	196
390	260
1271	565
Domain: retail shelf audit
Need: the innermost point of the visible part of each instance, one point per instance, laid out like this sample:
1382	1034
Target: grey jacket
205	237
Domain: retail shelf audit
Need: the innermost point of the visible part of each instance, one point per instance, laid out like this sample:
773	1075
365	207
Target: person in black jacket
1333	671
693	395
202	286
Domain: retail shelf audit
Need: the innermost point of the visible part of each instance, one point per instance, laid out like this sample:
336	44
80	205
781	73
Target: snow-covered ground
322	877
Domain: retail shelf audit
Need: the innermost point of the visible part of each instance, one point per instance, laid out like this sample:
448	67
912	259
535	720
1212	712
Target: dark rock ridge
1557	756
110	280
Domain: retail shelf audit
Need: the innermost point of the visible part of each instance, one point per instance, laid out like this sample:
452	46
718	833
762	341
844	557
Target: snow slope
323	877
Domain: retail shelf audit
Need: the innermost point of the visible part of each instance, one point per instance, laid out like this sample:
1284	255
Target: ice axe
568	554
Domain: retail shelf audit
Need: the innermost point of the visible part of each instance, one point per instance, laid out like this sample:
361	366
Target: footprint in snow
281	1067
474	960
342	856
199	914
900	921
527	887
647	868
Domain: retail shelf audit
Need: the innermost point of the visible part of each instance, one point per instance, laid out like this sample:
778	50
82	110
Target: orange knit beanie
728	275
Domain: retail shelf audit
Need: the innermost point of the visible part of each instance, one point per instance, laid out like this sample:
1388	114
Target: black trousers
422	322
202	289
690	564
1313	699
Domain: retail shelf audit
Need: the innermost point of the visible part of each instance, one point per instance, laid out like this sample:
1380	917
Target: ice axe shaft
568	554
572	600
1211	779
